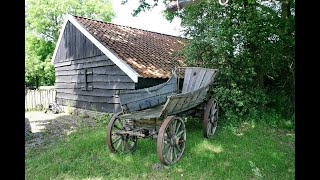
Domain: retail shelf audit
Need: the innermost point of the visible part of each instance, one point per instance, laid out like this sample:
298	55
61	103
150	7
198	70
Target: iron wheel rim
171	140
116	142
210	120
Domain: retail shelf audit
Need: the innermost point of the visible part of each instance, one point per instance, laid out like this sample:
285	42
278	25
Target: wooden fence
39	99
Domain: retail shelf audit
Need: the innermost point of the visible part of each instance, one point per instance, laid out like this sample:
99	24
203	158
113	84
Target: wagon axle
130	133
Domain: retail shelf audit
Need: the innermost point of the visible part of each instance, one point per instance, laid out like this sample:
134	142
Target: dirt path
48	127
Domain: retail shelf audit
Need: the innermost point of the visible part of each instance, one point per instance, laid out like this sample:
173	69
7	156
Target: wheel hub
173	140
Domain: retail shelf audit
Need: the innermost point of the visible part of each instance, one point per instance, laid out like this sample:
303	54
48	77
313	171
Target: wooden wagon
156	112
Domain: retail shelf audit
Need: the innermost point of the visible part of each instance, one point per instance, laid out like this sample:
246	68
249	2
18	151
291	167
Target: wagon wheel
171	140
119	142
210	119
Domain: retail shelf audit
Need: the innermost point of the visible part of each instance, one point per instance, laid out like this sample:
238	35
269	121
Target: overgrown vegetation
247	150
252	43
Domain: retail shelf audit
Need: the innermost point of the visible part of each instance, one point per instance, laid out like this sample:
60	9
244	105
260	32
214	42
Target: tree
252	43
44	19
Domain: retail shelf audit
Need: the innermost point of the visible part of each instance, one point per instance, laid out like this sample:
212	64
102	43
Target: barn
93	60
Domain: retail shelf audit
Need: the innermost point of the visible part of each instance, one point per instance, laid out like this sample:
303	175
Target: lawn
246	151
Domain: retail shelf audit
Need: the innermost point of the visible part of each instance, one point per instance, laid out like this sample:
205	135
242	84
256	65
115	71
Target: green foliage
252	45
103	119
44	19
39	70
144	5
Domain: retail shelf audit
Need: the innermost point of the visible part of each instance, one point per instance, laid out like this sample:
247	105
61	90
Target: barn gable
112	56
93	60
74	45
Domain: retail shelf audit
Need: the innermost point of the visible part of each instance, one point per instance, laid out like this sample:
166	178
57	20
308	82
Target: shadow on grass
48	128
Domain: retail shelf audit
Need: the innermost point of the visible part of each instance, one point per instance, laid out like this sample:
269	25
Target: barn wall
85	77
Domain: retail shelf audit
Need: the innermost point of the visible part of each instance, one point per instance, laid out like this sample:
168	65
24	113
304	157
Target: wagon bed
153	112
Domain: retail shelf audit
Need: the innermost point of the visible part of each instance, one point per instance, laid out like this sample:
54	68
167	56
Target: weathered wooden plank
70	44
100	107
144	114
128	98
187	103
208	77
193	79
195	96
111	78
187	76
86	98
84	65
60	64
67	73
113	85
96	85
70	79
93	78
171	104
202	95
93	59
113	70
85	60
200	76
94	92
145	103
180	103
106	70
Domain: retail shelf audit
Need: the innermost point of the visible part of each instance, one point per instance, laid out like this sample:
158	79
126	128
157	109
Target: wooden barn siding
106	79
100	107
76	54
74	45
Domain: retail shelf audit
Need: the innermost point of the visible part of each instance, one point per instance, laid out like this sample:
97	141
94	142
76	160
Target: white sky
152	20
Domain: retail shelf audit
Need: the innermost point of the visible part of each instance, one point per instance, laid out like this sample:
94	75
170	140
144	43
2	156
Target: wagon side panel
136	100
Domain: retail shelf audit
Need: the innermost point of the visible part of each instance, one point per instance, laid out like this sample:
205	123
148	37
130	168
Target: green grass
247	151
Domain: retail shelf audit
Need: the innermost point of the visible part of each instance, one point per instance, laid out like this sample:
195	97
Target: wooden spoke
179	124
119	142
118	145
116	140
171	140
180	133
210	118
